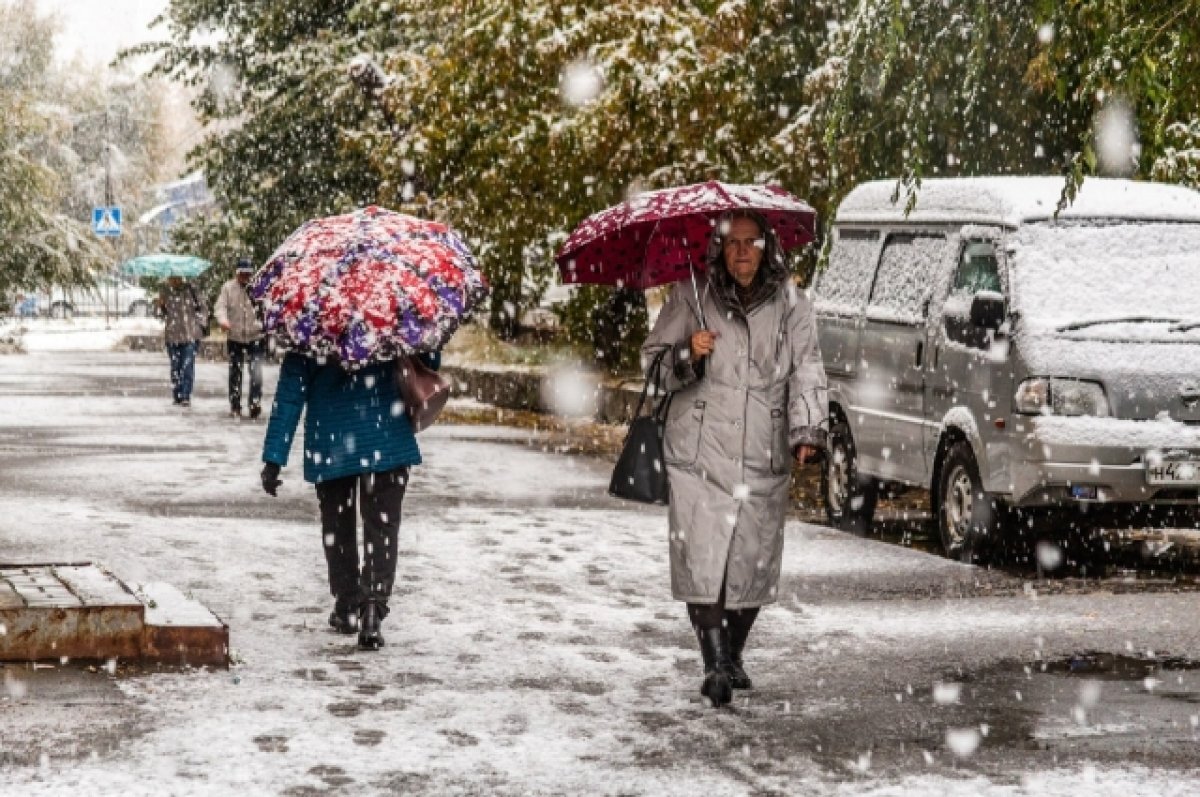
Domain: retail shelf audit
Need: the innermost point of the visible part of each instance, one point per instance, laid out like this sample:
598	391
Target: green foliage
930	89
43	240
281	111
1007	87
456	108
216	240
486	137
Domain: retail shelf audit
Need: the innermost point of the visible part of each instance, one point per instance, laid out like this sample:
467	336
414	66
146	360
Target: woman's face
743	249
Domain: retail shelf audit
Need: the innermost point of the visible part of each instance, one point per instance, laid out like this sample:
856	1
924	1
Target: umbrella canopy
368	286
659	236
164	265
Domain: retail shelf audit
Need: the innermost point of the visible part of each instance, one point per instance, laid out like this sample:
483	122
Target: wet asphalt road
881	667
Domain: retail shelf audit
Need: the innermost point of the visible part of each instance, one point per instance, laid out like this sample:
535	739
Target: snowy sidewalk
533	646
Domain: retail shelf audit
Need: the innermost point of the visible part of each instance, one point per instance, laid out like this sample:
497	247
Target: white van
1010	359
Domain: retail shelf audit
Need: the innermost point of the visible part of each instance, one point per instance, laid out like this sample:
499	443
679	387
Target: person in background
243	339
26	306
185	320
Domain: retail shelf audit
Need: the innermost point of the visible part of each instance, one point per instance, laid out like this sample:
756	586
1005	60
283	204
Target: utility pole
108	203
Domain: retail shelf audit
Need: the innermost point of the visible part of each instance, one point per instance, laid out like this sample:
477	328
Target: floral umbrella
368	286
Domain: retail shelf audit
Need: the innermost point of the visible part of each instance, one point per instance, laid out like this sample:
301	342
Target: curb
533	391
210	348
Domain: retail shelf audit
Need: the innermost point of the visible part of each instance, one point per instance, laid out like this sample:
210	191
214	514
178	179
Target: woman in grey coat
749	400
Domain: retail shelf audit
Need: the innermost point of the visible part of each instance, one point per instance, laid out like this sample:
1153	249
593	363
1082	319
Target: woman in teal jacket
358	445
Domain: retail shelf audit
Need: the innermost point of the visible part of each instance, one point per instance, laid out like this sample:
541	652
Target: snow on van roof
1013	200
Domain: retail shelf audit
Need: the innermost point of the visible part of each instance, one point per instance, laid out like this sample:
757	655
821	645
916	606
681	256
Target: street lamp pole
108	203
110	306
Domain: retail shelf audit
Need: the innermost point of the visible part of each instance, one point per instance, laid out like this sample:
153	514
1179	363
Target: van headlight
1061	397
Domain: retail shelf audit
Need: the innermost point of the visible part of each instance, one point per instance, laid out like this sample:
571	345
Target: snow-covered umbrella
660	237
165	265
368	286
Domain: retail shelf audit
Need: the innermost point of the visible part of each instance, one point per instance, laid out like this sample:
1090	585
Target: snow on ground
533	646
85	333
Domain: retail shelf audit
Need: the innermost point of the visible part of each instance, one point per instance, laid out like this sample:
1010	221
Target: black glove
270	478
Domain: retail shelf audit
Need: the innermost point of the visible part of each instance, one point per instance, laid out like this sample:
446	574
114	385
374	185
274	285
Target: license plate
1182	472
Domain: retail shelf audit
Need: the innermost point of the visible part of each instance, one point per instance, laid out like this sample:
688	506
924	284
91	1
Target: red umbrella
658	237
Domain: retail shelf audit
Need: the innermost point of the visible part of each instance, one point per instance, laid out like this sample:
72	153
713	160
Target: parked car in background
18	304
108	294
544	315
1011	360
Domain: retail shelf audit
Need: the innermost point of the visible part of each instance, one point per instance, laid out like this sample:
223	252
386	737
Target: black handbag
641	471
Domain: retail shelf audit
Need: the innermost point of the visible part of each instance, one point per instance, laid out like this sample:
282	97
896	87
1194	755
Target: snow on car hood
1143	378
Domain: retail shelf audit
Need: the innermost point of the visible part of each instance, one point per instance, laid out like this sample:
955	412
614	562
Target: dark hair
773	259
772	270
745	213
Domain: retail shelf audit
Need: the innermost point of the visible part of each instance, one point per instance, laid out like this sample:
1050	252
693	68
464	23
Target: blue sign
106	222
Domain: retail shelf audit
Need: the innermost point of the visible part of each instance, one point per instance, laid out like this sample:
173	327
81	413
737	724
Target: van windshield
1104	278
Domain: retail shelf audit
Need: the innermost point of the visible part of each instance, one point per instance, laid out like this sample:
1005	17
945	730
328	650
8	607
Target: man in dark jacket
358	444
184	319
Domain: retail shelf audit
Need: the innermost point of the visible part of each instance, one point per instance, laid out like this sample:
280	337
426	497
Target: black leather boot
737	643
714	647
739	623
344	617
369	616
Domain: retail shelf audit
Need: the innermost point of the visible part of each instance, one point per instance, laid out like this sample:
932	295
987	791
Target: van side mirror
988	310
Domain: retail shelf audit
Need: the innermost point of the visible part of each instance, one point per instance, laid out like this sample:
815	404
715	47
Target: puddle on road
1091	704
1096	706
1133	557
1115	666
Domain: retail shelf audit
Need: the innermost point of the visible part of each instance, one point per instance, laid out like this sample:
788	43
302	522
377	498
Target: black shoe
255	412
235	412
185	403
737	676
343	620
714	647
369	636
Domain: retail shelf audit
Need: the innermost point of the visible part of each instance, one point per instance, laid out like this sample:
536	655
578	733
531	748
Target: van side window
978	270
907	272
844	283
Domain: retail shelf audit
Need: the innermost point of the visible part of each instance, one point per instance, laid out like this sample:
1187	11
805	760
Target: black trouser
381	495
245	353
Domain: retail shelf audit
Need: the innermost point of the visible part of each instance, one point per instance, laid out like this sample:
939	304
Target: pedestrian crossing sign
106	221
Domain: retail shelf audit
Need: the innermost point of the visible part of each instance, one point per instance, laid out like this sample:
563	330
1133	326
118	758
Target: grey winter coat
184	315
235	309
733	425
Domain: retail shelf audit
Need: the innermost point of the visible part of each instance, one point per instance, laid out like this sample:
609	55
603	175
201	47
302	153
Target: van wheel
967	519
61	310
850	498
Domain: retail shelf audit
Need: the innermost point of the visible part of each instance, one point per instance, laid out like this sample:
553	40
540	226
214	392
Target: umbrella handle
696	293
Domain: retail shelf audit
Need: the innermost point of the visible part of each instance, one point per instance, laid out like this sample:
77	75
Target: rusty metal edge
186	645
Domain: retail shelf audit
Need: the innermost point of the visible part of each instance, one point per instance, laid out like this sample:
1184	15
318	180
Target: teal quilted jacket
354	423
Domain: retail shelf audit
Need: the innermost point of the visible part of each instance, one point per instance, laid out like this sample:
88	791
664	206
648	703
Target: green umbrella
162	265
